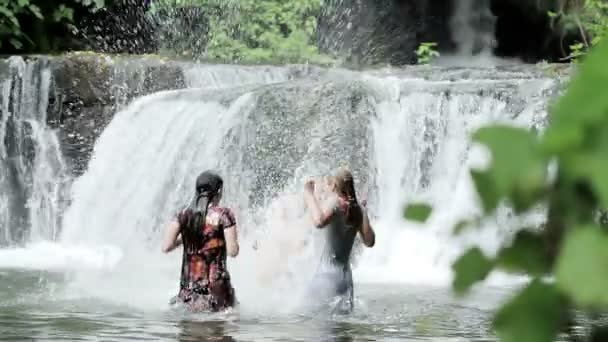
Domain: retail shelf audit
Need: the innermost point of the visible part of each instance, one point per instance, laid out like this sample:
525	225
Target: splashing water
143	170
405	138
433	130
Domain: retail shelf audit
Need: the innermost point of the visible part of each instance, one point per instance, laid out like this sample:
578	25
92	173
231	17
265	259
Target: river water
35	307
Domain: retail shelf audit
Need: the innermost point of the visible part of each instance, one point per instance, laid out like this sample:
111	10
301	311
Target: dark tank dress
333	279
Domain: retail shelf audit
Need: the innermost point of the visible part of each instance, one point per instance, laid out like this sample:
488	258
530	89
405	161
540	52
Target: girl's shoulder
223	215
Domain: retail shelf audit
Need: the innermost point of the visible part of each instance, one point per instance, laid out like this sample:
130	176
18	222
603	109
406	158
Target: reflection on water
33	306
203	331
340	332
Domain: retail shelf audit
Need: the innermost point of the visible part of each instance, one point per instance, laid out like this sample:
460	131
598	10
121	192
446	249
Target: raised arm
319	216
172	237
366	231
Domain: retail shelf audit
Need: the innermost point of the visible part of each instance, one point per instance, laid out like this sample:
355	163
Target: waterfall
41	138
34	177
405	133
472	26
145	163
405	137
430	124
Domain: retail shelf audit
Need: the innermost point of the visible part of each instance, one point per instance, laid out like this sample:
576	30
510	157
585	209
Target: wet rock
88	88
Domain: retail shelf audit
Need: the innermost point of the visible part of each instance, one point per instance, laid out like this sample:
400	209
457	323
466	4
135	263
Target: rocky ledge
84	90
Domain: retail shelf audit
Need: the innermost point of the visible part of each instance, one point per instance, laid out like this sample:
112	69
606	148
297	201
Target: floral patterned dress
205	282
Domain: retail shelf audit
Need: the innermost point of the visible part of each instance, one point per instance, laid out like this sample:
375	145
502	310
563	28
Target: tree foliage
22	21
246	30
567	261
588	18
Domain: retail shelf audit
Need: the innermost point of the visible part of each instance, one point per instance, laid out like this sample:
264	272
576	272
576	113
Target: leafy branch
426	52
567	260
12	12
589	18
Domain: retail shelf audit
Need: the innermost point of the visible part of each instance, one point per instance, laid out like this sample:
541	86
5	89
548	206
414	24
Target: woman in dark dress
342	217
208	233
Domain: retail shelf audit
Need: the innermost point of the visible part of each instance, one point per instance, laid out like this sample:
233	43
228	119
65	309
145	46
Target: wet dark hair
344	184
207	189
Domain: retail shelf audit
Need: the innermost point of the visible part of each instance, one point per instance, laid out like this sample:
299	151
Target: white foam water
145	162
433	133
34	175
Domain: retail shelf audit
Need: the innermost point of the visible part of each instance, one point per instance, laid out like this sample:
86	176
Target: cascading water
472	26
431	123
405	138
146	161
34	177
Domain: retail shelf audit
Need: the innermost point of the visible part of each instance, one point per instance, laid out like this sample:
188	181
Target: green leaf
562	137
63	12
486	190
4	10
592	167
11	17
585	101
463	225
518	167
581	268
16	43
419	212
531	316
590	163
99	4
471	267
36	11
460	227
600	180
526	254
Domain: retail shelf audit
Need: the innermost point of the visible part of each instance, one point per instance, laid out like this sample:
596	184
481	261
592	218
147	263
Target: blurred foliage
25	24
241	31
417	212
588	18
566	262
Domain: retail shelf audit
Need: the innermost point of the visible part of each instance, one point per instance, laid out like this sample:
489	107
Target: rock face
55	108
389	31
86	90
306	126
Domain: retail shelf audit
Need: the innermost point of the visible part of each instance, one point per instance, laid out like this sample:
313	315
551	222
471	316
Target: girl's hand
309	186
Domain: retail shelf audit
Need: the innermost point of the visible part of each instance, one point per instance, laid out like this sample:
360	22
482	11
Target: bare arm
319	216
228	222
172	237
232	243
367	232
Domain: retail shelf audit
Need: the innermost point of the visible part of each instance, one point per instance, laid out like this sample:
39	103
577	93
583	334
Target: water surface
34	306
